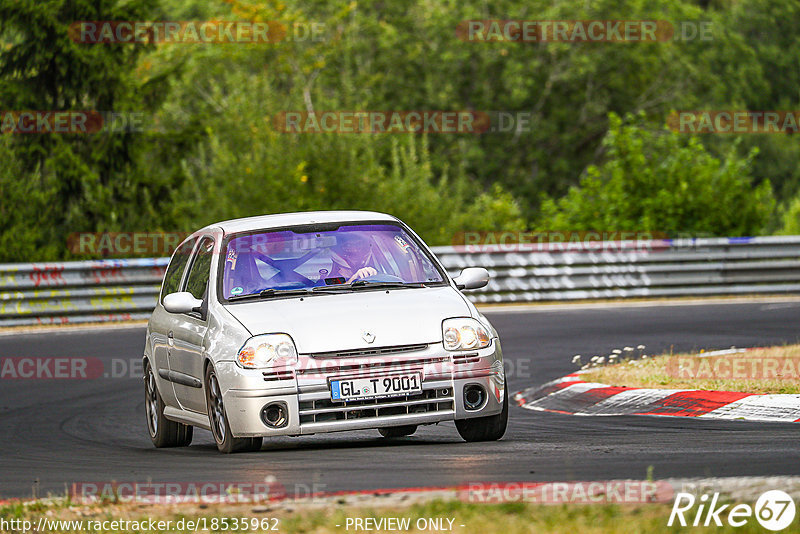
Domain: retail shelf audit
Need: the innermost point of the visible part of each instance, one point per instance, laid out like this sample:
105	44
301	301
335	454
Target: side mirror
472	278
183	302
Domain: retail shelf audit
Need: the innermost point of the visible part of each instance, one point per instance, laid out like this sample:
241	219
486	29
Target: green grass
684	371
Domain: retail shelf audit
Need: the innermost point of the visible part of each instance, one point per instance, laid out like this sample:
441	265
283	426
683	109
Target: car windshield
303	259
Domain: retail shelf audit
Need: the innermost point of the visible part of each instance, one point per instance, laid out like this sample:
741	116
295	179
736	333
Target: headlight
262	351
464	334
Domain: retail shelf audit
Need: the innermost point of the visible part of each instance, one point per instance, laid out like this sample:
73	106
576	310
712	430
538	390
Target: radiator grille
356	368
377	351
284	374
471	357
324	410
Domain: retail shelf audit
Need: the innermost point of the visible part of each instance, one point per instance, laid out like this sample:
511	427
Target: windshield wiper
332	288
271	292
368	283
360	284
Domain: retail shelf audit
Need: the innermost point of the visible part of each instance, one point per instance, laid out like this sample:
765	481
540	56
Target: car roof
278	220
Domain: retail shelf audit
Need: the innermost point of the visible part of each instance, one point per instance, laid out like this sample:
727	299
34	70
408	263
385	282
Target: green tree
406	55
244	166
752	63
91	181
26	211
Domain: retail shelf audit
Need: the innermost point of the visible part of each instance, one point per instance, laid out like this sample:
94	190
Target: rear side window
172	278
197	281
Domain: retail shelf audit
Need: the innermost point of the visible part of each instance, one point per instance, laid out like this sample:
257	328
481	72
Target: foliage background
596	156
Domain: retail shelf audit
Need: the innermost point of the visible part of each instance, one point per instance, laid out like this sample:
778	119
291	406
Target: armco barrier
623	269
80	291
113	290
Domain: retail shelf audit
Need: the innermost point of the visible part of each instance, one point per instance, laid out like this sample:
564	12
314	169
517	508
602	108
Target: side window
197	281
172	278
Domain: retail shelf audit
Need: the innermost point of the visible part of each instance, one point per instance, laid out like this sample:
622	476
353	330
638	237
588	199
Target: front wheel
489	428
163	432
218	420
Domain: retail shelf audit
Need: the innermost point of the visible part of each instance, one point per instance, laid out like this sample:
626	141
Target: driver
352	258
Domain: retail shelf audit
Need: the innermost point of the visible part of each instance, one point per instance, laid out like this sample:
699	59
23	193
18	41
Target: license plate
347	389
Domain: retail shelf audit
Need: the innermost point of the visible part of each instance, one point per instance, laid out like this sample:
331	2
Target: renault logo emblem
368	336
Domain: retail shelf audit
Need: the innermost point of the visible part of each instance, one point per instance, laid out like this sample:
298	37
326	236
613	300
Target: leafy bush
791	218
655	180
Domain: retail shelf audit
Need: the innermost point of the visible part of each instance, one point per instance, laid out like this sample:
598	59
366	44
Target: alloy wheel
151	403
217	410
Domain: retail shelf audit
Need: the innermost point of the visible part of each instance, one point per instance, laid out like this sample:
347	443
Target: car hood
337	322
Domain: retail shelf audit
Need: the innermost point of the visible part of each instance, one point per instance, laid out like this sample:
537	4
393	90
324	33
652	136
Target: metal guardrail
625	269
113	290
80	291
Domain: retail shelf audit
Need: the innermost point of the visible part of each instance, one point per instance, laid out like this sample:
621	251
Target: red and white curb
571	395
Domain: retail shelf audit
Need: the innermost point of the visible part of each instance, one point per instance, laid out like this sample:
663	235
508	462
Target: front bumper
304	390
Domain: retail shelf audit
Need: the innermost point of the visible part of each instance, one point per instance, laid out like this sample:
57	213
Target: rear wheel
489	428
218	420
163	432
397	431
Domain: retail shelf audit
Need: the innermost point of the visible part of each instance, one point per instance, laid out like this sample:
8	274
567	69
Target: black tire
218	420
489	428
397	431
163	432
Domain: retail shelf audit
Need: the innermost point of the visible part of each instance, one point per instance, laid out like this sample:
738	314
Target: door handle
170	338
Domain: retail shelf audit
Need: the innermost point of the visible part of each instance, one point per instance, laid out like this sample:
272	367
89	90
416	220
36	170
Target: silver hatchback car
301	323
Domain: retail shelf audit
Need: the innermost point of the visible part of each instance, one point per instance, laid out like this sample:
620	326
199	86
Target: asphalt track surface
59	432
